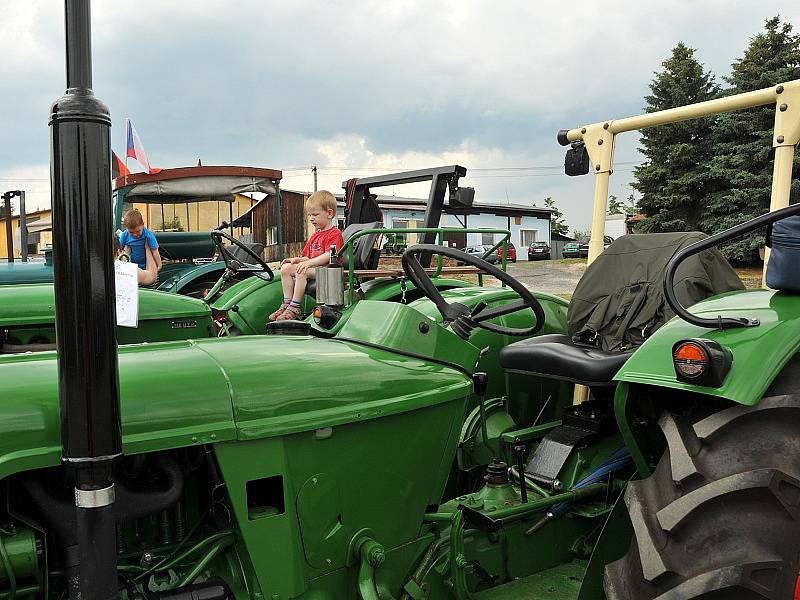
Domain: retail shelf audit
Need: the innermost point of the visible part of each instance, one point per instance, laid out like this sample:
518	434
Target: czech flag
118	168
136	150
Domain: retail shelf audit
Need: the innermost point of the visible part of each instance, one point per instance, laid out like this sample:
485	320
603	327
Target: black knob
480	381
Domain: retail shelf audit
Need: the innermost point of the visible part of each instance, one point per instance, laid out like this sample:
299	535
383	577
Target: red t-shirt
321	241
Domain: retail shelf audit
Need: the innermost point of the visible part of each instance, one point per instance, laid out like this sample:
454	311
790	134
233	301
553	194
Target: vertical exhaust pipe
80	174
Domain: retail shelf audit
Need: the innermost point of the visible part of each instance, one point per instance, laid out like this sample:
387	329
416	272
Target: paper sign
127	284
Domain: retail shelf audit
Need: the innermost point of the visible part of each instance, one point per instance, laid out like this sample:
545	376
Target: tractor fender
759	353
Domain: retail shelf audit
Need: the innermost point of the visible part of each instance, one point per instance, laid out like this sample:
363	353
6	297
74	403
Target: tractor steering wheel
235	265
463	320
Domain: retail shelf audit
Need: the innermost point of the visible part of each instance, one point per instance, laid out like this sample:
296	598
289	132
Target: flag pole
127	129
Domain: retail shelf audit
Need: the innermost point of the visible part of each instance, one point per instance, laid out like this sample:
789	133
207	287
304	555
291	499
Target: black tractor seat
556	356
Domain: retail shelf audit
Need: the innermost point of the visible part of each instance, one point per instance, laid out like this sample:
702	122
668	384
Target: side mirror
576	161
464	196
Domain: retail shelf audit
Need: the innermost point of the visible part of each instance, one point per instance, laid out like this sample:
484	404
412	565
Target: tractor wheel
720	516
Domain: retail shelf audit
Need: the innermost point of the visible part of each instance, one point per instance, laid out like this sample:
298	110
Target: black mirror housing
576	162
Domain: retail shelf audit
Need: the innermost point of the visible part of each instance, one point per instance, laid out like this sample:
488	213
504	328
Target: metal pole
314	170
91	441
781	188
596	242
9	228
279	219
23	227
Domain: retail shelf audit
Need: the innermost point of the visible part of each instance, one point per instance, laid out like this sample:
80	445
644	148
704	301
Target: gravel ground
552	276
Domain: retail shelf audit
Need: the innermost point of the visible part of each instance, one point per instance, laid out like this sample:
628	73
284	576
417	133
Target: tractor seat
556	356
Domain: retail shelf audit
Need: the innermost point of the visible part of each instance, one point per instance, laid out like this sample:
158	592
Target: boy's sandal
278	312
291	313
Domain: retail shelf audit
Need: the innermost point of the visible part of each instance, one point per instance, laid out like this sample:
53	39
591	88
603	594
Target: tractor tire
720	516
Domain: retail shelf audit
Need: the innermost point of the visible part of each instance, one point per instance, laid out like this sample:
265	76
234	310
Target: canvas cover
619	302
196	189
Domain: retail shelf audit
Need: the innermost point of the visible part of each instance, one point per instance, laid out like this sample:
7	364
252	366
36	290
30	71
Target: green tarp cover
619	302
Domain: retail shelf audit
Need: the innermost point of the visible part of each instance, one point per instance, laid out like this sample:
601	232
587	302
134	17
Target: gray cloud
371	83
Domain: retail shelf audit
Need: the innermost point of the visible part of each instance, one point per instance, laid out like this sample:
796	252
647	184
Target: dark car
539	251
479	251
584	253
571	250
511	255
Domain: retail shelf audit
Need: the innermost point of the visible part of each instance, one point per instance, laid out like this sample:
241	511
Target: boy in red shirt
295	272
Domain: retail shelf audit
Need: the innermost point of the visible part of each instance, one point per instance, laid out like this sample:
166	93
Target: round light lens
691	360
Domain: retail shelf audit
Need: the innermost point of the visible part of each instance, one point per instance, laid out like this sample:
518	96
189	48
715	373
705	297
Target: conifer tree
673	179
742	140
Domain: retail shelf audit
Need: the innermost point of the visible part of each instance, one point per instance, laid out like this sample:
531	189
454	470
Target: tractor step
562	582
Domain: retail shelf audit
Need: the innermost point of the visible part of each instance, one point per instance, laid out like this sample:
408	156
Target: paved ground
552	276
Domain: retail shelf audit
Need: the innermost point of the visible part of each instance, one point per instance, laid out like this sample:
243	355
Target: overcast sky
360	88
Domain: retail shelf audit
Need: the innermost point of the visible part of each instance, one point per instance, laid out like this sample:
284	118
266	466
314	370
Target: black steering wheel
234	264
462	319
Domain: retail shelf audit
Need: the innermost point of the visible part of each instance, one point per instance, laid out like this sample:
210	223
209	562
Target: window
271	237
528	236
487	239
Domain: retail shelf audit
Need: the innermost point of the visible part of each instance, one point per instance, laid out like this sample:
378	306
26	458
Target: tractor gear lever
480	382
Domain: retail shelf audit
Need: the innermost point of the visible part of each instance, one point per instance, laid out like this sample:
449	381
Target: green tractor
247	290
420	450
395	243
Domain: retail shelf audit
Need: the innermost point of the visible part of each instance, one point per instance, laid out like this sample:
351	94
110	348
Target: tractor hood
35	305
177	394
25	272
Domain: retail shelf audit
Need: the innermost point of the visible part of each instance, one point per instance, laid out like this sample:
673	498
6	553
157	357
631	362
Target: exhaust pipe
80	175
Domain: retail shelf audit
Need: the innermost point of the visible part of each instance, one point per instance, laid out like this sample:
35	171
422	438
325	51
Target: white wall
541	226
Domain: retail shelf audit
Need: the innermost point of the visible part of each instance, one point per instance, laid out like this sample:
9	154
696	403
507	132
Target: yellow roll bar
600	138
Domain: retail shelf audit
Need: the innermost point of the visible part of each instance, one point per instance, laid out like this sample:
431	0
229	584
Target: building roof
557	237
28	215
419	204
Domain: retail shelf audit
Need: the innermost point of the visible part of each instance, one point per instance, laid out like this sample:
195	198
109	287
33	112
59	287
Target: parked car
584	252
572	250
539	251
512	253
479	251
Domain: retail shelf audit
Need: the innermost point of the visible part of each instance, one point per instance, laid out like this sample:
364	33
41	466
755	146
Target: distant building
616	225
557	244
527	224
39	233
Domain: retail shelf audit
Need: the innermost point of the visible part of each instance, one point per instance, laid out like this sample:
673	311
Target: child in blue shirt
141	244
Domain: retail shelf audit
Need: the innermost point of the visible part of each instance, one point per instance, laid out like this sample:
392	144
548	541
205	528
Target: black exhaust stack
80	175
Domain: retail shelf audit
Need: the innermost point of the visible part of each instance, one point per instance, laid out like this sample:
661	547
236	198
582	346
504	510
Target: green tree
557	223
674	178
580	234
615	207
742	141
173	224
622	207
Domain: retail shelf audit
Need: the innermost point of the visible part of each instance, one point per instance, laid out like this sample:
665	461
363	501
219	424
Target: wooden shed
268	230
